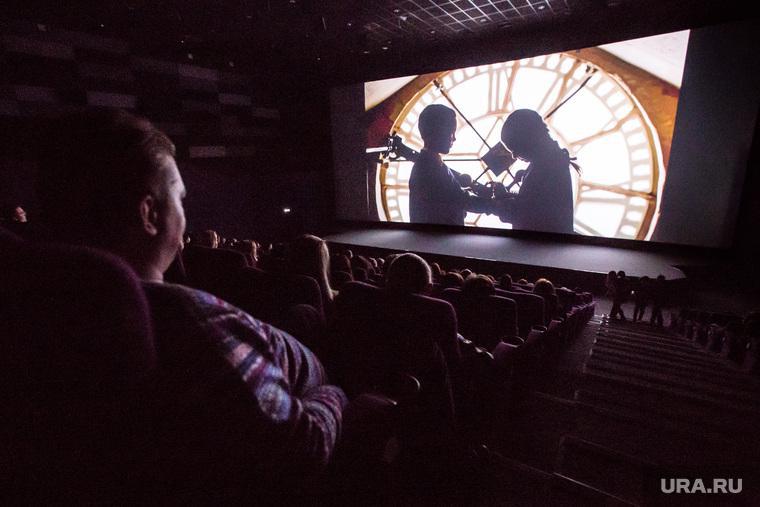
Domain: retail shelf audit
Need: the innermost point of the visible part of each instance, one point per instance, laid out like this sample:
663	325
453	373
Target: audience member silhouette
362	262
308	255
340	262
13	213
478	287
659	297
505	282
248	248
409	274
13	218
733	341
609	284
641	298
435	268
452	280
543	287
208	238
239	398
620	292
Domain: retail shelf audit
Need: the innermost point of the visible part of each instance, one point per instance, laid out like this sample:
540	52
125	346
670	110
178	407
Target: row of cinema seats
79	364
377	336
373	342
293	303
406	349
84	400
288	301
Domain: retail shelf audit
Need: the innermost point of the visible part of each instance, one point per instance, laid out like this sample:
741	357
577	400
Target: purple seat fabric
551	307
75	355
212	269
268	296
530	309
339	278
485	321
377	335
359	274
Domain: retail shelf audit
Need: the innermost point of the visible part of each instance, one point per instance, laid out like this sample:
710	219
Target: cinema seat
339	278
376	337
485	321
360	274
530	309
288	301
212	269
76	354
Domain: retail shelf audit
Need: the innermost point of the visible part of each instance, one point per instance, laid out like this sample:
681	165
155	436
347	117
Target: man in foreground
243	409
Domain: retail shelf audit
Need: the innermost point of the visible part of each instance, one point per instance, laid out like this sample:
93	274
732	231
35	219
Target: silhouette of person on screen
436	195
545	200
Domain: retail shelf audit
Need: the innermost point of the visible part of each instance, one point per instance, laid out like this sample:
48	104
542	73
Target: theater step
687	372
711	392
536	426
667	445
519	484
606	469
674	413
612	384
565	491
696	359
684	348
665	339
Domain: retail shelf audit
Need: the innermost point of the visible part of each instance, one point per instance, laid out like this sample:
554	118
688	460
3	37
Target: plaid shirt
241	387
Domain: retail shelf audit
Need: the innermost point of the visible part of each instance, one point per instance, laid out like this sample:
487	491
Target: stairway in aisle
644	404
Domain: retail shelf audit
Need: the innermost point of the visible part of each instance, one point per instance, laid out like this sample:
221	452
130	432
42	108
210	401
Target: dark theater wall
233	147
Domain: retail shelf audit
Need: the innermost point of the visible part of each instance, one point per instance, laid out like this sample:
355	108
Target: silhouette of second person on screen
436	195
545	200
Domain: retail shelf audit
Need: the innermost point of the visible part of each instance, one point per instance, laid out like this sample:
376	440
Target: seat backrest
566	298
359	274
270	296
76	349
489	321
341	277
377	335
452	295
551	307
485	321
212	269
530	309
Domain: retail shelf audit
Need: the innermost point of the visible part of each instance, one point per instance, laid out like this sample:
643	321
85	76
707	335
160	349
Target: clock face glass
603	124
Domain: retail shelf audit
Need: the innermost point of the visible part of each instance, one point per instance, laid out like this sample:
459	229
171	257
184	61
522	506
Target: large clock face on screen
603	125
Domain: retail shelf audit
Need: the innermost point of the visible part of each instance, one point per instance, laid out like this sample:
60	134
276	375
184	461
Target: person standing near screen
545	200
436	195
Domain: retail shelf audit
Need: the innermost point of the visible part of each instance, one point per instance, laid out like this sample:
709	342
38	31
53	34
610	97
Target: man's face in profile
172	215
442	135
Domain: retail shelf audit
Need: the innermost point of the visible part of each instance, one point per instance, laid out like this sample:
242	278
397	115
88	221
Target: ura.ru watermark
707	486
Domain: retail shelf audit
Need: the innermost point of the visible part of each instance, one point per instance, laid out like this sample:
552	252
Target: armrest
506	355
403	387
513	340
370	429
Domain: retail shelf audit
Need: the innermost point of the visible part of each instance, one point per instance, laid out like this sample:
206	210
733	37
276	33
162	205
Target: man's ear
149	215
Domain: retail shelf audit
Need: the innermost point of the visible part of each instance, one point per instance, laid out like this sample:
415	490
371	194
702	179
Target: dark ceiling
330	37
